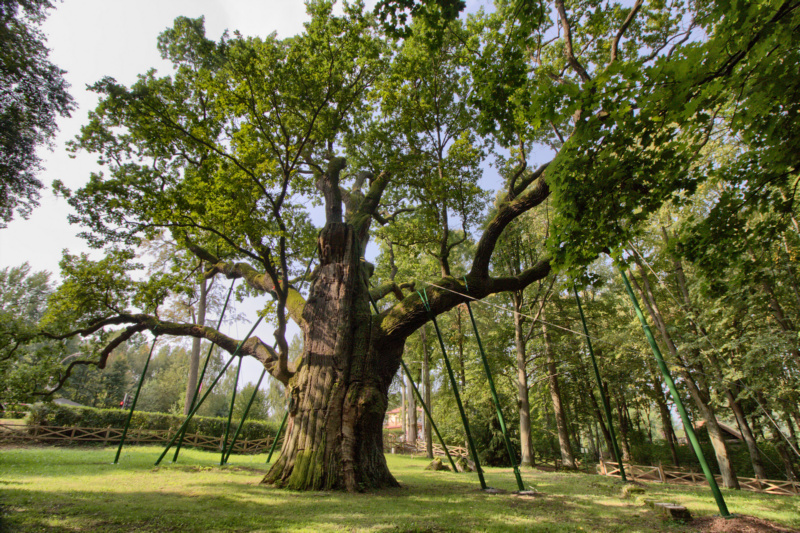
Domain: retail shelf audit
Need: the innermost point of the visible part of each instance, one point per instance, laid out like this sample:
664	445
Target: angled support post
687	426
473	450
509	447
223	458
133	403
244	416
606	404
208	392
277	435
203	372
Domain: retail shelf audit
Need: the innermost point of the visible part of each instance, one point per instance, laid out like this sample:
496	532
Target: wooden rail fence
392	445
659	474
18	433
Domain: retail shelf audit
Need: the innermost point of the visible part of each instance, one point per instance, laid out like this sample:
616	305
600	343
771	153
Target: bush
49	414
14	411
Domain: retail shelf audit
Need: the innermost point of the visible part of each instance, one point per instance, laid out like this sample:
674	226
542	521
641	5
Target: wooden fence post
661	473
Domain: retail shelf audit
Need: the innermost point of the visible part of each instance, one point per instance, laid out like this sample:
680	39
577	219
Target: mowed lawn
78	489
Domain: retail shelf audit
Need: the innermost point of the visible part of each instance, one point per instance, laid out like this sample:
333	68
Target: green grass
78	489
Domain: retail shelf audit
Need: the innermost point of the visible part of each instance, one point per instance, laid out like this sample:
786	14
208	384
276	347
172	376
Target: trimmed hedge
49	414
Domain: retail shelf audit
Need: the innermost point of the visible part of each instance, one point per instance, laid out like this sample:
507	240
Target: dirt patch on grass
737	524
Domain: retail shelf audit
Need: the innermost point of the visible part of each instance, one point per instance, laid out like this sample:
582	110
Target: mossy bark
338	396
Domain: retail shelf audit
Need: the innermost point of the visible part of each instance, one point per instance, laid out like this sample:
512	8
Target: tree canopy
33	93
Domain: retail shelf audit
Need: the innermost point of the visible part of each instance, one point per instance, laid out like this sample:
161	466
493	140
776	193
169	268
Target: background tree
33	93
27	361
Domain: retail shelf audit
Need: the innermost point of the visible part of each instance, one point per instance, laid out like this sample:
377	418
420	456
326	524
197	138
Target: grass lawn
78	489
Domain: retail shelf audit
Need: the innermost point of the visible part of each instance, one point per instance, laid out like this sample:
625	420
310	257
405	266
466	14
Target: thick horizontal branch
275	363
410	314
88	330
103	359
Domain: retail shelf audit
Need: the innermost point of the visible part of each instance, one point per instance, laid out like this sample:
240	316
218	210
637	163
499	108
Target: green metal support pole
419	396
133	403
208	392
495	399
606	404
203	372
278	435
473	449
687	426
428	414
244	416
230	412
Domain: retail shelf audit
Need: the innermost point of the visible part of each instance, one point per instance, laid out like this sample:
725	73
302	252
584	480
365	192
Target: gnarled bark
338	396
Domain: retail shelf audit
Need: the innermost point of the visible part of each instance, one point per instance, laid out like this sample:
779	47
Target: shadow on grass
426	502
57	490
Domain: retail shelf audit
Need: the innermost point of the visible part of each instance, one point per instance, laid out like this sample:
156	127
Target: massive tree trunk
338	396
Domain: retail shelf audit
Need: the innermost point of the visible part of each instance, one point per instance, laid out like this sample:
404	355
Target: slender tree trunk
755	456
403	409
603	428
194	358
558	407
426	379
594	446
747	435
790	427
549	424
701	398
786	455
523	401
624	428
411	415
666	421
575	434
